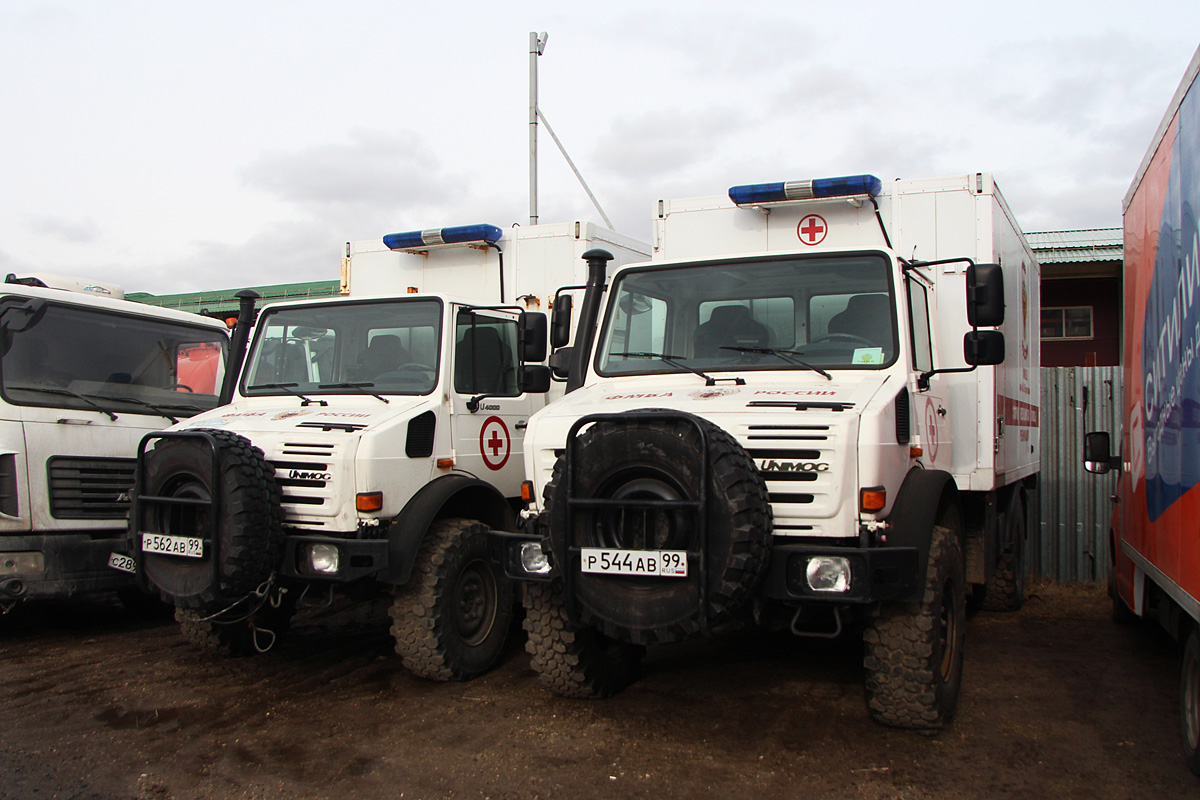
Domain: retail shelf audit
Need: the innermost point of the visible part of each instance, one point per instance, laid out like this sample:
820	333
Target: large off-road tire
451	620
241	632
662	460
914	651
249	526
1189	699
574	660
1006	586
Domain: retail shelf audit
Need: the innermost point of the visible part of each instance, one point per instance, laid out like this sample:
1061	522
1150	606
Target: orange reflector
873	499
527	491
369	501
230	322
915	452
413	290
445	463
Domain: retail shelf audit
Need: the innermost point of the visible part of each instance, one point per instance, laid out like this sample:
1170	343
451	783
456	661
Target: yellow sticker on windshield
867	355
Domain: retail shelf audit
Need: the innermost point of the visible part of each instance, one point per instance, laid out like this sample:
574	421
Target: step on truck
815	409
371	440
1154	540
84	374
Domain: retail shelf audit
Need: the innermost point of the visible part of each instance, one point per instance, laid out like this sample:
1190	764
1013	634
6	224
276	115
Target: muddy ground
1058	702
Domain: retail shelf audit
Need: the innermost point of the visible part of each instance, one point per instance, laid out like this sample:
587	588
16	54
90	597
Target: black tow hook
12	587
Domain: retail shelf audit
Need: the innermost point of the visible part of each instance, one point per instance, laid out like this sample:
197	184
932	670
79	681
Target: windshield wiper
358	387
677	361
288	387
151	406
786	355
66	393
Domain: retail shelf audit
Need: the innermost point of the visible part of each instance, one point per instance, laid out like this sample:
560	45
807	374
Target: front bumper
71	564
876	573
357	558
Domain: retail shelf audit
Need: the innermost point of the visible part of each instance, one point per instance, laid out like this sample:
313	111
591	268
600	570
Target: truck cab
84	374
784	421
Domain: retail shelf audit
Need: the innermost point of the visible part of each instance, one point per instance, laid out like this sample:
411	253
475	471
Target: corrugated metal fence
1071	543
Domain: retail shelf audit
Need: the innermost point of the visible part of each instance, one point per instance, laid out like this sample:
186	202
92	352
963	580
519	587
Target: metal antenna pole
537	43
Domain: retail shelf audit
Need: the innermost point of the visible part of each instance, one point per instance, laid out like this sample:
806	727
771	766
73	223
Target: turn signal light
527	491
369	501
873	499
445	463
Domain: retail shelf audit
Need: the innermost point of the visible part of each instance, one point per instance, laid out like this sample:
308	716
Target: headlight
533	560
324	559
828	574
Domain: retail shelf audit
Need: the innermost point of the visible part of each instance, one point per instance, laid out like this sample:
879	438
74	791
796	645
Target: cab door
489	411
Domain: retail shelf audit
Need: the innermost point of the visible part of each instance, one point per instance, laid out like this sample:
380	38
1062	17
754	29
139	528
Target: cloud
373	170
67	230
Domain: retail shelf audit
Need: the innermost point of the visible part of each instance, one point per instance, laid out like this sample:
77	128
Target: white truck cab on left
84	374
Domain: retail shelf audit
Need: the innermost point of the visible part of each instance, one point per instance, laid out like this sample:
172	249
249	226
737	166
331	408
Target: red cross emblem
812	229
494	443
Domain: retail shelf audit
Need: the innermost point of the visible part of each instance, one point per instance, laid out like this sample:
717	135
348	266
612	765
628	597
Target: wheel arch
926	498
448	496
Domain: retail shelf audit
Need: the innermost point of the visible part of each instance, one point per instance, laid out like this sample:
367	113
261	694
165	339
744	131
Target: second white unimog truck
815	409
371	442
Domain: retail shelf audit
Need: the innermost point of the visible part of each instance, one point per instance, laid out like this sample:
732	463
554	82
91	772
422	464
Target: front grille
90	488
795	461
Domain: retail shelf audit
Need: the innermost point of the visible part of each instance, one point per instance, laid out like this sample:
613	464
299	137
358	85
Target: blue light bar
463	234
791	191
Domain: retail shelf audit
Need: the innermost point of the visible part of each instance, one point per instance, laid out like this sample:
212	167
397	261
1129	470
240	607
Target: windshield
378	347
792	313
79	357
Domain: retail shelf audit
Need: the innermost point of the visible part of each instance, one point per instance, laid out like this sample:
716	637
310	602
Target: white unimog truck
370	443
816	408
84	374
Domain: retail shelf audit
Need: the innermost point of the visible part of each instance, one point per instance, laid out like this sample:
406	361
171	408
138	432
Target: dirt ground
1058	701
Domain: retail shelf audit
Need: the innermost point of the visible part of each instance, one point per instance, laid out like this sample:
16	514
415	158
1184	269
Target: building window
1073	322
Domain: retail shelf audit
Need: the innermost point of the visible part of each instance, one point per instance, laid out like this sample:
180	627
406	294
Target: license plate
122	562
672	563
190	546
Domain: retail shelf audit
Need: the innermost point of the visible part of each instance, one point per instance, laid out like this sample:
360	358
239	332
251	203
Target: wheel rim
475	603
184	520
1191	698
948	633
641	529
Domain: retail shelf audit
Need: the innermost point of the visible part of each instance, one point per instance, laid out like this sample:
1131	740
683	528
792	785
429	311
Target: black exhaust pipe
597	282
237	349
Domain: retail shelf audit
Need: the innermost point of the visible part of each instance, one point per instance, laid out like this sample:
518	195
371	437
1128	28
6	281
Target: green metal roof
1078	246
223	302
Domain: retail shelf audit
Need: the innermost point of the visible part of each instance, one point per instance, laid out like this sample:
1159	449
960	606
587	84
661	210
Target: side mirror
535	378
1097	453
985	295
532	332
983	348
560	362
560	324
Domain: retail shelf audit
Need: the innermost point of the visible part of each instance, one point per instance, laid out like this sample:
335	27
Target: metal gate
1071	544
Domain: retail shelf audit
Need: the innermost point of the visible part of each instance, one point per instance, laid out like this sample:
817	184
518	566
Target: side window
485	355
918	313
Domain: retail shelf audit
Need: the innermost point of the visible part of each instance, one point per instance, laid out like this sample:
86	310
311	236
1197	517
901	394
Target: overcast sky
176	147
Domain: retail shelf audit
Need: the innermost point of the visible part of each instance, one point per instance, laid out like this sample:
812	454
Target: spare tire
248	527
661	459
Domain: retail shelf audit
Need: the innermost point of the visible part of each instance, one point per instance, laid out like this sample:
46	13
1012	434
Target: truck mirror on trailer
1097	453
532	325
560	325
983	348
985	296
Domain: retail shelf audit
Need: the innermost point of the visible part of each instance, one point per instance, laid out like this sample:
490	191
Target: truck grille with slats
795	493
90	488
301	470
